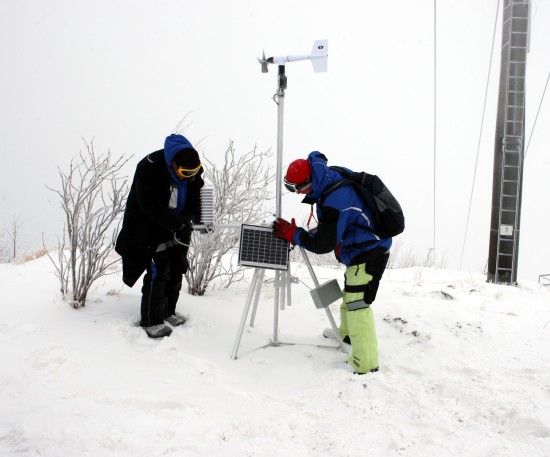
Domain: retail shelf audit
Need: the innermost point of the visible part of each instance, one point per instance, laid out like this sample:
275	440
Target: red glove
284	229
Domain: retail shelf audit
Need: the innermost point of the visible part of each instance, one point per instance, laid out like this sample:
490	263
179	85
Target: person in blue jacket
163	203
343	227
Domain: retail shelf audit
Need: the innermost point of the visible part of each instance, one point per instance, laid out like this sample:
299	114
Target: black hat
187	158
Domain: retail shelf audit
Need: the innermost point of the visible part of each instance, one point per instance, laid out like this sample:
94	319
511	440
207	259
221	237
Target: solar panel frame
260	248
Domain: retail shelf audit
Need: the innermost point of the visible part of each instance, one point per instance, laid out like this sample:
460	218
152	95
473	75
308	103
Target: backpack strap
338	184
358	188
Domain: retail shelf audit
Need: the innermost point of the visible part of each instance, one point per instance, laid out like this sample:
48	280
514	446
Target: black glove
182	237
185	226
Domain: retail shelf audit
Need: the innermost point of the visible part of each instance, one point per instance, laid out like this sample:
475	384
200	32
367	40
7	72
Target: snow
464	372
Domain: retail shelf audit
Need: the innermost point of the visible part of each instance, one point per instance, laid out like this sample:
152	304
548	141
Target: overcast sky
126	72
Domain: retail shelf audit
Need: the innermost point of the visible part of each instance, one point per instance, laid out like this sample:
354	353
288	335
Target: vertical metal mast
281	277
280	99
509	145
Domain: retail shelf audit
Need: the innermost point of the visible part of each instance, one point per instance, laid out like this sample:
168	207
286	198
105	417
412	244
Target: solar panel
260	248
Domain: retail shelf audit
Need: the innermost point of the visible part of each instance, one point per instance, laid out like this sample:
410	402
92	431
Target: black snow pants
162	284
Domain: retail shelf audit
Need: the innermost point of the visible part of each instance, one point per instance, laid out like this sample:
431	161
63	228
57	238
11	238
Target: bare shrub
92	198
9	249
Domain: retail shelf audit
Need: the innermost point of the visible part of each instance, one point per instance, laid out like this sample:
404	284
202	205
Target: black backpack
388	216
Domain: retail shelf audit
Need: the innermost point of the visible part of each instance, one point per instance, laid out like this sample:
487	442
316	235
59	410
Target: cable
536	117
435	123
480	135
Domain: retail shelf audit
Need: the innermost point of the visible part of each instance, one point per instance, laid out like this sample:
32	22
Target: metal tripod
282	283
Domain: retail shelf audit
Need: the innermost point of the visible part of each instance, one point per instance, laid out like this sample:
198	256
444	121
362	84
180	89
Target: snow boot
175	320
346	366
329	333
157	331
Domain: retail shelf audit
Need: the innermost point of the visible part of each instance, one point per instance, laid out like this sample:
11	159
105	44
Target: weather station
261	249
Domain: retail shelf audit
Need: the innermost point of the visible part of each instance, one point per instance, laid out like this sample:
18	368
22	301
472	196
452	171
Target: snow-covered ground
465	371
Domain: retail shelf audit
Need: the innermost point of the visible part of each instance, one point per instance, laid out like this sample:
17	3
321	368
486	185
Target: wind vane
318	57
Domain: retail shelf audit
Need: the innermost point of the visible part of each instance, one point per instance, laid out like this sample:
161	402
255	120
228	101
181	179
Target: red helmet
298	171
298	176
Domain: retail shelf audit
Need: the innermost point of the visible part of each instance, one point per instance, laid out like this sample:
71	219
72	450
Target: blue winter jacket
343	219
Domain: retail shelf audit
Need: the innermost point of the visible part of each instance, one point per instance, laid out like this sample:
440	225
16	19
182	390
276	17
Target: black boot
158	331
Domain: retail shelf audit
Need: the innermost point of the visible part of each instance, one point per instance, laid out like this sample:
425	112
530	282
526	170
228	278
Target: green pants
357	320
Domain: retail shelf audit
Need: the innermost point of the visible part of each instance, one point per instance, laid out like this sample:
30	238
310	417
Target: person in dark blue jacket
343	227
163	203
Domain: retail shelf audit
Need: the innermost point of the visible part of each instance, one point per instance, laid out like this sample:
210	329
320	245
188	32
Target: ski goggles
184	173
297	187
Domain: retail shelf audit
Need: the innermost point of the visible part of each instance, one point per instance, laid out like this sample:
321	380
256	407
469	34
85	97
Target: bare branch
242	197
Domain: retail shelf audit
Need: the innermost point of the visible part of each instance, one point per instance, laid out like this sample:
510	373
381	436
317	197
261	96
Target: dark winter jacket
343	218
151	216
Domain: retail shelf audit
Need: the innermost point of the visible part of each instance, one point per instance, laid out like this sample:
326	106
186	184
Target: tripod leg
257	296
275	341
282	295
327	310
245	313
288	286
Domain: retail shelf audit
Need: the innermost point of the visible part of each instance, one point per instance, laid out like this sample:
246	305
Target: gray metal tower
509	145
